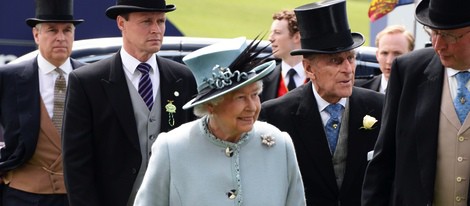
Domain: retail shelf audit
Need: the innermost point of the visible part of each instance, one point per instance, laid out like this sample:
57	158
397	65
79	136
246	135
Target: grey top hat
127	6
443	14
324	28
53	11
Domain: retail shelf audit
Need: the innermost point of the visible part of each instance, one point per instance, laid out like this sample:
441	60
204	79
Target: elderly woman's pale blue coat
190	167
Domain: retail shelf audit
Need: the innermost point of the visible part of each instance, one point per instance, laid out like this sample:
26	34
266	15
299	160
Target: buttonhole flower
368	122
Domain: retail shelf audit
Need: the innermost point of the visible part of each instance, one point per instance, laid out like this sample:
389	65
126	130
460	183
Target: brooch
171	109
268	140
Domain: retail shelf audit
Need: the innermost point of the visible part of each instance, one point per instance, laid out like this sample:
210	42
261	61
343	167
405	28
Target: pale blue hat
211	67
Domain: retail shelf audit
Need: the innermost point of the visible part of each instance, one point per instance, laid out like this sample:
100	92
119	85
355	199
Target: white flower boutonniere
368	122
268	140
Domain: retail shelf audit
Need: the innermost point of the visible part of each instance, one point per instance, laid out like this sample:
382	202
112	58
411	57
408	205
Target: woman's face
236	113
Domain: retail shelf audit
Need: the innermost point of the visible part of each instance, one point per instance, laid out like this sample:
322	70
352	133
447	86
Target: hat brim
114	11
357	38
260	72
33	21
422	16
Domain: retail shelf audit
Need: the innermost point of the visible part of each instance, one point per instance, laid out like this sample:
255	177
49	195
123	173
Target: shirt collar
298	68
130	63
46	67
322	104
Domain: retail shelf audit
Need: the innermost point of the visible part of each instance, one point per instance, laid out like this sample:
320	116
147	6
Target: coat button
232	194
459	179
458	199
461	139
152	137
134	171
460	159
229	152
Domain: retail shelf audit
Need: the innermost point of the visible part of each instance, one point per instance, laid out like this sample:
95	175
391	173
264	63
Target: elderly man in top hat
325	116
32	95
421	156
116	107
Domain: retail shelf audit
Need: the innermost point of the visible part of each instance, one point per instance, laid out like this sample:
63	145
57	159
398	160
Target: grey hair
201	110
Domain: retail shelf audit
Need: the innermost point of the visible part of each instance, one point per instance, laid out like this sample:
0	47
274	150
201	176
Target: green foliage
229	18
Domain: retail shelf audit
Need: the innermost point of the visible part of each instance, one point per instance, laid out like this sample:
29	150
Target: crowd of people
229	127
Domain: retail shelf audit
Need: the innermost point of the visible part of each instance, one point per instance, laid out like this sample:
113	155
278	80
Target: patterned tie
59	99
461	103
332	125
291	73
145	84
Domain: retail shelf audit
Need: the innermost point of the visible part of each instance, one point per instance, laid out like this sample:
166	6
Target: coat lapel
428	97
27	82
172	89
309	122
118	91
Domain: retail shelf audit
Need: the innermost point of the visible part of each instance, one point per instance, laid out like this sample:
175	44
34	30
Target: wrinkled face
55	41
281	41
453	53
142	33
332	74
390	46
237	112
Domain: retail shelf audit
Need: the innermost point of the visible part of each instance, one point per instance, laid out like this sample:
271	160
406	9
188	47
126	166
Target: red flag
379	8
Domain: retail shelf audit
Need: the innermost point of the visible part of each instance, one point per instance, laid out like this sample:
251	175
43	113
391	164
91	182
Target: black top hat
53	11
324	28
127	6
444	14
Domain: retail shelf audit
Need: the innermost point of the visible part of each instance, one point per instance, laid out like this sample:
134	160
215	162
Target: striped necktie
145	84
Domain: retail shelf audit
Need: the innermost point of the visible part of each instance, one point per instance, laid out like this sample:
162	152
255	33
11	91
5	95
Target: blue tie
145	84
462	106
332	125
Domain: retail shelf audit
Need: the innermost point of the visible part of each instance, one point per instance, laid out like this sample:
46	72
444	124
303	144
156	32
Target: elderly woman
226	157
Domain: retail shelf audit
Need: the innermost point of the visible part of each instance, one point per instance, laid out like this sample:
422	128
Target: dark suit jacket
20	111
372	83
100	142
411	121
271	84
297	113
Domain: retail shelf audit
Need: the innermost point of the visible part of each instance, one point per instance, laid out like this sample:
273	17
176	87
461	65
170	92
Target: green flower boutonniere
170	109
368	122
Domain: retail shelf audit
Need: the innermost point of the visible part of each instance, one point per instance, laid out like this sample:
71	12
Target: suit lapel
428	97
118	91
271	84
316	145
27	82
171	87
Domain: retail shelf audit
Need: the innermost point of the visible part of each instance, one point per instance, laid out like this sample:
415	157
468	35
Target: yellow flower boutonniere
368	122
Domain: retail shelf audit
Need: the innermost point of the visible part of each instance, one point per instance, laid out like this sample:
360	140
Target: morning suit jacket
403	169
372	83
20	111
100	142
271	84
297	113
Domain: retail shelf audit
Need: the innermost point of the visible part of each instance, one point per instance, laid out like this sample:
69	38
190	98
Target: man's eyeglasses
447	37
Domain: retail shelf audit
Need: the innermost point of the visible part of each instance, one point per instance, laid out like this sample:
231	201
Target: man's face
281	41
390	46
454	48
55	41
332	74
142	33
